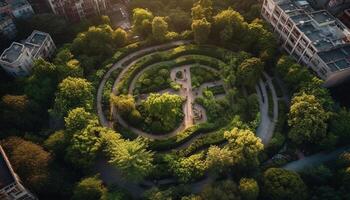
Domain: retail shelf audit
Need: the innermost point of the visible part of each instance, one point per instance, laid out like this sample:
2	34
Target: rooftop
6	176
12	53
19	3
3	3
321	28
37	38
337	59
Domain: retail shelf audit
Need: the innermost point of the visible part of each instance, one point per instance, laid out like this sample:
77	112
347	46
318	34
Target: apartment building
313	37
21	9
17	60
78	9
7	26
11	187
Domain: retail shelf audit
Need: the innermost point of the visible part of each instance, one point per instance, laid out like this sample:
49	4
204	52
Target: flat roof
337	59
19	3
12	53
6	176
37	37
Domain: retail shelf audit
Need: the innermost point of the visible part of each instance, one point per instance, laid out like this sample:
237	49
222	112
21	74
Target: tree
84	146
230	26
30	161
165	108
201	30
249	72
57	143
73	93
132	158
248	189
219	159
124	104
307	120
90	188
159	29
202	9
283	184
19	112
142	20
340	125
179	20
188	168
77	119
245	147
120	37
223	190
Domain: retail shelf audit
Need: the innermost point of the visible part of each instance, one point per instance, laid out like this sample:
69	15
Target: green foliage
340	125
200	75
124	104
84	146
56	143
154	79
201	30
219	159
163	108
76	120
90	188
188	168
132	158
30	161
159	29
248	188
223	190
307	120
142	21
249	72
245	148
283	184
73	93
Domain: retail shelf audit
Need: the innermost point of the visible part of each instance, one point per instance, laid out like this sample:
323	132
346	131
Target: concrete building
78	9
7	26
17	60
21	9
11	187
313	37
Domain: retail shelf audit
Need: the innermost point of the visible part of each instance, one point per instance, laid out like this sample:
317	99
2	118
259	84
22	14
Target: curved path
314	160
135	57
267	125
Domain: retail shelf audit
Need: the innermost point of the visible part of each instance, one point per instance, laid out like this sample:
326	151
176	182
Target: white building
313	37
17	60
11	187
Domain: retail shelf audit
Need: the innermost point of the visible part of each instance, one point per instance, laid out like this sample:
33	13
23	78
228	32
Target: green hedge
182	137
174	57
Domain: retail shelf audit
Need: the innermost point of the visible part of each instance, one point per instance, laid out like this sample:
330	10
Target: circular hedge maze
184	97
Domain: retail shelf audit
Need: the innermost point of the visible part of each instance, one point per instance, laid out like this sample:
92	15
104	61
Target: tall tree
249	189
132	158
283	184
90	188
142	21
73	93
307	120
250	71
201	30
159	29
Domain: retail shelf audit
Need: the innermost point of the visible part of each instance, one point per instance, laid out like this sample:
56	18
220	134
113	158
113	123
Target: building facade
17	60
21	9
11	187
7	26
76	10
313	37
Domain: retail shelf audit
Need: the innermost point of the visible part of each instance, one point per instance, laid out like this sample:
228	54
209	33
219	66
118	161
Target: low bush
200	75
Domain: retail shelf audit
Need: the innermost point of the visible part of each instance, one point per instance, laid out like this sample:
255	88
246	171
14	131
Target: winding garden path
134	57
111	175
267	125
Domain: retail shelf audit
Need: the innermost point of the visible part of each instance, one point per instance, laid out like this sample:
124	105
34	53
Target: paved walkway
267	125
135	57
314	160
